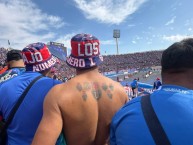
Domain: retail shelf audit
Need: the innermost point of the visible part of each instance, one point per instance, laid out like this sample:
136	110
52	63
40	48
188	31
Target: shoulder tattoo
96	91
79	87
86	86
84	95
111	87
109	94
104	86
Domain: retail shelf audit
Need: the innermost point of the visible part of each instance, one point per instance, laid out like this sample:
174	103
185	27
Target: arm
51	124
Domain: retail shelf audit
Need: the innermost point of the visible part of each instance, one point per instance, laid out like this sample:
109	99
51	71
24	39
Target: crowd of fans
129	61
3	53
111	63
62	112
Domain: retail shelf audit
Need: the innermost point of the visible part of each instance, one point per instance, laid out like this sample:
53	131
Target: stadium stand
118	67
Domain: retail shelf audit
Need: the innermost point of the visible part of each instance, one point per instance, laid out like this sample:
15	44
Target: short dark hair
178	56
14	55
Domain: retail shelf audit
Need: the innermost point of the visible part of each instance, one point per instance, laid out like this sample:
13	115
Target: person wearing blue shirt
134	87
38	61
15	65
157	84
172	103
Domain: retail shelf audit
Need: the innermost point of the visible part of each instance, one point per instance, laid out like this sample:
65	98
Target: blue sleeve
112	134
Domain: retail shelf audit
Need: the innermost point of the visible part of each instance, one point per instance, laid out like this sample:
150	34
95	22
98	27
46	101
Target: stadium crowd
111	63
91	108
128	61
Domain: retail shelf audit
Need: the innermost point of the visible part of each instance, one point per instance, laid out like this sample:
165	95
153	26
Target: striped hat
85	52
37	57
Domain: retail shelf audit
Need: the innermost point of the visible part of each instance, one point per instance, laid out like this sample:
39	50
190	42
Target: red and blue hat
85	52
37	57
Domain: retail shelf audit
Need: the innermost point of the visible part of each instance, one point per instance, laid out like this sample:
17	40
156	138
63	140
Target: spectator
15	65
4	69
1	68
172	104
38	61
83	107
128	91
157	84
112	63
134	87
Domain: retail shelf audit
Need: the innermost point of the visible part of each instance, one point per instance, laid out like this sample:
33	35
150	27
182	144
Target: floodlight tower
116	35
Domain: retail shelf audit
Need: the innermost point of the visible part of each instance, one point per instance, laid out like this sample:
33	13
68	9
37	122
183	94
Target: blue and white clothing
10	73
173	106
26	120
157	84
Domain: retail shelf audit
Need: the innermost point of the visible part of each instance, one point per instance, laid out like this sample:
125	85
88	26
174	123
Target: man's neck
14	64
180	79
83	71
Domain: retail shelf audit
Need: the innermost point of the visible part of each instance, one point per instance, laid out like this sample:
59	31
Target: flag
8	42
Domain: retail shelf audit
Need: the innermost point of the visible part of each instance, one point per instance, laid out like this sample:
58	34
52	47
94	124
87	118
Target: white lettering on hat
35	68
38	56
71	60
81	63
96	48
42	66
76	62
79	53
24	58
68	59
91	62
49	62
35	57
90	49
45	65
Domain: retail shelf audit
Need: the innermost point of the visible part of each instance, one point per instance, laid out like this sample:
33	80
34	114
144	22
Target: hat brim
84	63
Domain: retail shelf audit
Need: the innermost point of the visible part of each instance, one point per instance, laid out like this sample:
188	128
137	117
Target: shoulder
58	89
60	95
128	108
132	103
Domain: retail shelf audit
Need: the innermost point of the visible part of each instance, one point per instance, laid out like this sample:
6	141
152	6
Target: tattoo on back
79	87
111	87
109	94
96	89
104	86
84	96
86	86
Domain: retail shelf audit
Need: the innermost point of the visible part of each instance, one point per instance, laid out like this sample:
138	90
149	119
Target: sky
144	25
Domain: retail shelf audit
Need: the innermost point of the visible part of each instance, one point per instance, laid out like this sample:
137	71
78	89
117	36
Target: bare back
88	102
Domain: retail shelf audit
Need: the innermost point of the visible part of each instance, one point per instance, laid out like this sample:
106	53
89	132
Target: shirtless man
84	106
